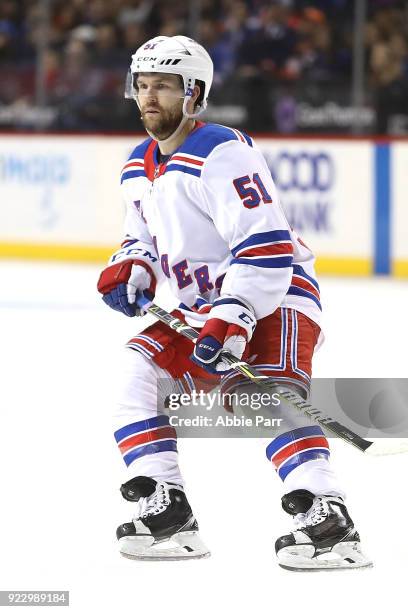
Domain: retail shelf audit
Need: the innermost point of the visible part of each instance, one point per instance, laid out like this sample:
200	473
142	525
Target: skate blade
393	446
343	556
180	547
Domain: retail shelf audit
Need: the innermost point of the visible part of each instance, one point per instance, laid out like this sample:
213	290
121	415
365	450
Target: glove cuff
233	311
143	264
120	272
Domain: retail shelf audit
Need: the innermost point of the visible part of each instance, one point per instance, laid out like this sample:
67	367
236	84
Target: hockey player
203	215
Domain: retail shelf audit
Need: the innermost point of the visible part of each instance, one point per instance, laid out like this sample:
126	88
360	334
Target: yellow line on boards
352	266
400	268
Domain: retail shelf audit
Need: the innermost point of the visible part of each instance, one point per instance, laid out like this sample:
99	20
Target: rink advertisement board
60	196
326	191
61	199
399	220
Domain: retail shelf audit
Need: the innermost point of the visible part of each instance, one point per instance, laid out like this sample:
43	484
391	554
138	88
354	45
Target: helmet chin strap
173	135
186	117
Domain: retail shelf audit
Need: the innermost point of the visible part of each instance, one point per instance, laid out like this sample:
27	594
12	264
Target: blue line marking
382	198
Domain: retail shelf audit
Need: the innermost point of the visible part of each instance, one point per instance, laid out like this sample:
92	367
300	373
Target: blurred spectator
266	49
135	12
268	54
133	36
311	57
388	62
8	36
106	51
220	46
101	11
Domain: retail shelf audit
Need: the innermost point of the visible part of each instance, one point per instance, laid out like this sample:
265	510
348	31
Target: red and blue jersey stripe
304	285
183	162
272	249
146	437
207	136
135	166
189	159
291	449
132	169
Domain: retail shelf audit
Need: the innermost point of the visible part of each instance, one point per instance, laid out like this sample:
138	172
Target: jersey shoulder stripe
202	141
242	137
135	166
139	151
132	170
190	164
183	168
189	158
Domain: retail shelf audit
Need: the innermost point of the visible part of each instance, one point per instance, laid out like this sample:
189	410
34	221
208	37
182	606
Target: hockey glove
229	327
120	282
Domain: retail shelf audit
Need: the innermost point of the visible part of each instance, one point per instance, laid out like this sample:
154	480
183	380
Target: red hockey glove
229	327
120	282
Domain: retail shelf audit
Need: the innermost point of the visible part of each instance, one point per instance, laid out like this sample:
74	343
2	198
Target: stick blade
389	446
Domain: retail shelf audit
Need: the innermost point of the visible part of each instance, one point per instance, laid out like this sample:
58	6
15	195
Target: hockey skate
324	537
163	527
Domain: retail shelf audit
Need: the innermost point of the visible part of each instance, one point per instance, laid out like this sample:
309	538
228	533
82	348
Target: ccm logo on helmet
146	59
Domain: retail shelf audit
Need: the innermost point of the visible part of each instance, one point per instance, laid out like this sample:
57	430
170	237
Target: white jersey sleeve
244	206
138	243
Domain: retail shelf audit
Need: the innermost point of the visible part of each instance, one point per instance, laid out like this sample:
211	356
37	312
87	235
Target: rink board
399	225
326	201
61	199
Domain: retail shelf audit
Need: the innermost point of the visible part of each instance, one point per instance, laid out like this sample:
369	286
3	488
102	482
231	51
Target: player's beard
164	124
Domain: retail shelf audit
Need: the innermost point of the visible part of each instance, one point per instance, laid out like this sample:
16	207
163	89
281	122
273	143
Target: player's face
160	98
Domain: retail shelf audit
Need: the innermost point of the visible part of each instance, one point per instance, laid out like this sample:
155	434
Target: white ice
61	470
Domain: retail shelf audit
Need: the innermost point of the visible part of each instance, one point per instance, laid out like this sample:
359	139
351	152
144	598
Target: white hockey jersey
209	222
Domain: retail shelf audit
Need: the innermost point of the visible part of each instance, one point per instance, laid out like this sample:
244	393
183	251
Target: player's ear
191	106
196	93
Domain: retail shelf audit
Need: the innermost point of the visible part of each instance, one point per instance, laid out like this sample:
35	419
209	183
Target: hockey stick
375	448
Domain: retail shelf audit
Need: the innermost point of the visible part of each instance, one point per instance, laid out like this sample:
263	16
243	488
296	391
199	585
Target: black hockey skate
324	536
163	526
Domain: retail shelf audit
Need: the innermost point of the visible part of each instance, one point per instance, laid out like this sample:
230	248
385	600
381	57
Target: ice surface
60	355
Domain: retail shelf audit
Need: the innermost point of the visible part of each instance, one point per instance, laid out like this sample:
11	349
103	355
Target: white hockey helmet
174	55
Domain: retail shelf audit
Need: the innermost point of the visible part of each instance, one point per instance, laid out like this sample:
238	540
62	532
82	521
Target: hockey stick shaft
266	382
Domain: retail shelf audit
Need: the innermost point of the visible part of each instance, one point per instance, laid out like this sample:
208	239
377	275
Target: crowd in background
281	43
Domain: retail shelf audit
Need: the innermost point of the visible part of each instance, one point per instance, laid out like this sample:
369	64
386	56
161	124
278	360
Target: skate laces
155	503
317	514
